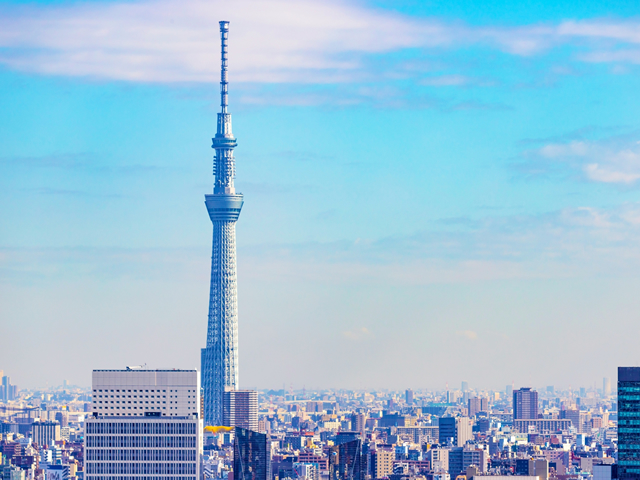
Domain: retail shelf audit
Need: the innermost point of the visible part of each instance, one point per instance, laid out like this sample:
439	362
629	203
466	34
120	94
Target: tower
220	356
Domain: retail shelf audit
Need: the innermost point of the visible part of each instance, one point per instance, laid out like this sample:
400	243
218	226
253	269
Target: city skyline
457	181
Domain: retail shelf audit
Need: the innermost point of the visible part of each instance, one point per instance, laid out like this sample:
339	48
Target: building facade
150	431
135	392
220	356
525	404
45	433
478	405
240	409
628	422
346	461
251	455
455	431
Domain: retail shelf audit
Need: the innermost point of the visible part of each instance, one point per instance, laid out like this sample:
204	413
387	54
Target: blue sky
426	183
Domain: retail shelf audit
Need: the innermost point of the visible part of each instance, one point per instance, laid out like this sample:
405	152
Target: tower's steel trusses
220	357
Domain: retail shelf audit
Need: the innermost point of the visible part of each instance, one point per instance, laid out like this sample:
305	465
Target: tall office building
409	396
251	455
138	392
454	430
525	404
358	421
628	422
45	433
240	409
478	405
220	356
346	461
151	430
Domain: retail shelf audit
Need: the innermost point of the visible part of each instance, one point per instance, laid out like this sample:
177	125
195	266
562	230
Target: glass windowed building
628	422
251	455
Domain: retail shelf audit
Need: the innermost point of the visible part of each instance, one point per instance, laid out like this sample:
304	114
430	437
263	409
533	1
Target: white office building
151	431
134	392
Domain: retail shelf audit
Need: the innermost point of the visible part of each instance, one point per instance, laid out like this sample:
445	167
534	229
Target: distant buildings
8	392
525	404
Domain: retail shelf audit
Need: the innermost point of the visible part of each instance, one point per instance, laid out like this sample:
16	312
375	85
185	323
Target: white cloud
612	160
311	41
167	40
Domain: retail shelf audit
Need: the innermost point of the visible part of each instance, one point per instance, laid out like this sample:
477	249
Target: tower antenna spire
224	83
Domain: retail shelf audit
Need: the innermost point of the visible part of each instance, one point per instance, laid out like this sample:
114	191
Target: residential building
45	433
241	409
478	405
382	462
541	425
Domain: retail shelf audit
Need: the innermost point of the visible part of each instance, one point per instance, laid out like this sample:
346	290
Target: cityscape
198	422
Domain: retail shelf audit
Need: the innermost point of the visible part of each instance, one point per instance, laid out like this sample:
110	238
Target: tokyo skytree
220	356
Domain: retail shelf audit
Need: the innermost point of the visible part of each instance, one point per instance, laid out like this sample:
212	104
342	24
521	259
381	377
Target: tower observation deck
220	356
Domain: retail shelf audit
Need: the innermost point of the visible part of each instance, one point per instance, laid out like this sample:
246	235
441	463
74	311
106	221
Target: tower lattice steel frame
220	356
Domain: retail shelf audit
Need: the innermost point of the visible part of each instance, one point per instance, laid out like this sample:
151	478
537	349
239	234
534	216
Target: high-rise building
153	430
251	455
382	462
45	433
409	396
454	430
606	386
509	390
358	421
464	386
628	421
478	405
6	388
462	457
525	404
136	392
240	409
220	356
346	461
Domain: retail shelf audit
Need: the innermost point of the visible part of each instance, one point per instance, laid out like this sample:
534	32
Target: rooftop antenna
136	367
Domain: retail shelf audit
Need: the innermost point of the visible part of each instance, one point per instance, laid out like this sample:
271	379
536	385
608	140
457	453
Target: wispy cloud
613	160
357	334
572	242
468	334
307	41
